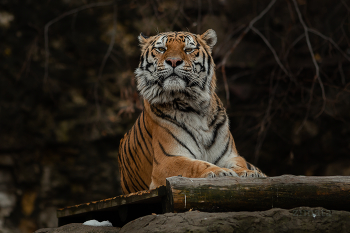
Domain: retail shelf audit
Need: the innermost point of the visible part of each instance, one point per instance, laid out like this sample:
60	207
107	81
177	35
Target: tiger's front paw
250	173
219	172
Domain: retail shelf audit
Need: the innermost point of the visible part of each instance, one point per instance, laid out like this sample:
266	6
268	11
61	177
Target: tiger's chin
174	83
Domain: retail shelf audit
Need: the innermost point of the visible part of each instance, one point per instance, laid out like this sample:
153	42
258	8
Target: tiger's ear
142	39
209	37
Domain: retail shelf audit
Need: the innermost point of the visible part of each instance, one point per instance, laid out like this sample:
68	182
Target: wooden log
118	210
253	194
147	196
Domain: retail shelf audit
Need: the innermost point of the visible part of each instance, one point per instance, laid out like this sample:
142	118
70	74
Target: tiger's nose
174	61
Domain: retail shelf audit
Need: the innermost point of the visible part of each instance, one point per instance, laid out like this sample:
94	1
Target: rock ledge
302	219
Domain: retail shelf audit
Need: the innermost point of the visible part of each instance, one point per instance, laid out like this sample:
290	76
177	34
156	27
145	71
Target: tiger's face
176	65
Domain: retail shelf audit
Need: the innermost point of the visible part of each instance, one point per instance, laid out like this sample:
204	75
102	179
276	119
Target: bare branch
235	44
317	68
239	39
199	17
307	38
105	58
155	9
227	91
341	73
175	20
266	122
330	40
293	44
223	45
272	50
47	52
26	64
346	5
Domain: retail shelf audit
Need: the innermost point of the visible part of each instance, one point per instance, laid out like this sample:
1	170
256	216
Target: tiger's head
176	66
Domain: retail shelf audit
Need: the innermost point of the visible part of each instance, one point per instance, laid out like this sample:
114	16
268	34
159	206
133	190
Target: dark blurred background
68	95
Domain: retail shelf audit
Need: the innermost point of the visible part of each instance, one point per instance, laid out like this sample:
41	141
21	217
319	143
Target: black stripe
208	71
213	121
162	115
146	56
126	186
132	184
198	44
137	167
154	55
143	183
183	106
127	173
131	180
217	128
135	154
203	68
218	110
161	147
149	85
138	142
249	166
134	144
134	172
223	152
141	61
206	77
143	139
208	61
154	159
148	64
178	140
131	154
144	125
125	158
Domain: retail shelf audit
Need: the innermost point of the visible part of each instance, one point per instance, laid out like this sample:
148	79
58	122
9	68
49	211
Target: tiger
183	128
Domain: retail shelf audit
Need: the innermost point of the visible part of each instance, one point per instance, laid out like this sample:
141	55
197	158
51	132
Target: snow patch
96	223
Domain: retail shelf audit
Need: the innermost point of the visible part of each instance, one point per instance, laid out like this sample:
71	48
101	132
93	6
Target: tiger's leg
168	166
238	164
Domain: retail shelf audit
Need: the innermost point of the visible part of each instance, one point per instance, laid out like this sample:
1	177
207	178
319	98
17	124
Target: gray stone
297	220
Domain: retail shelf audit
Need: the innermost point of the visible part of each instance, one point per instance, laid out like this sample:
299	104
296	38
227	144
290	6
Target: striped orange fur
184	128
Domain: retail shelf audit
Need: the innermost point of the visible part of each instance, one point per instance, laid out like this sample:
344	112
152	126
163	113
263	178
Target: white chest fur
204	141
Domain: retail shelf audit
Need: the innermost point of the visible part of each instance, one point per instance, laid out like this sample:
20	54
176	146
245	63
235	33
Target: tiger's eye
188	50
161	49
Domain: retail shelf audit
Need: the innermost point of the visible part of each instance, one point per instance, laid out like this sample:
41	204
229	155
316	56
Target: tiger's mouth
174	82
173	77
